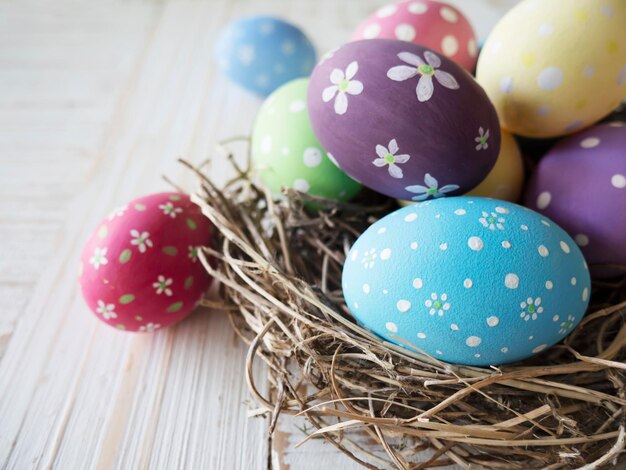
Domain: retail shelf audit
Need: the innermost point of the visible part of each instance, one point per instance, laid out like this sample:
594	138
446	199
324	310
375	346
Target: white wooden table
97	99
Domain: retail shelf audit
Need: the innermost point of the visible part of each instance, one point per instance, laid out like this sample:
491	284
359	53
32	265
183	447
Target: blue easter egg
468	280
261	53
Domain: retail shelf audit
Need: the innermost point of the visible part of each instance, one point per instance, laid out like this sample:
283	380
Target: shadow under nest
279	270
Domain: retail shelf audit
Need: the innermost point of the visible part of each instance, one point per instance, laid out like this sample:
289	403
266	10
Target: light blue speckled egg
261	53
468	280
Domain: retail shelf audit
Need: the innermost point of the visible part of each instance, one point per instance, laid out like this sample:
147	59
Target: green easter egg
286	153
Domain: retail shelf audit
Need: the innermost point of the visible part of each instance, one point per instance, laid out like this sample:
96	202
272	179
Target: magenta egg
433	24
140	269
581	185
403	120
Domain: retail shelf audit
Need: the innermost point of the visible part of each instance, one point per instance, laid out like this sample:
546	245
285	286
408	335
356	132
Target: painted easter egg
546	81
433	24
581	184
468	280
403	120
140	269
506	179
286	153
260	53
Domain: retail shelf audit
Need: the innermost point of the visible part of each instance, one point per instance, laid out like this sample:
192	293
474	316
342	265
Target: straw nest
280	280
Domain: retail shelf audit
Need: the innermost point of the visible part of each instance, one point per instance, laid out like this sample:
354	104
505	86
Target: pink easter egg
140	269
435	25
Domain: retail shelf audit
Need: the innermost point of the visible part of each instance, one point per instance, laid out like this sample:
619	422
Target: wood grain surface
97	100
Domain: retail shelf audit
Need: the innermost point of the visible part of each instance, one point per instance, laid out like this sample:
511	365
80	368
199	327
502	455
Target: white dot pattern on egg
539	87
489	298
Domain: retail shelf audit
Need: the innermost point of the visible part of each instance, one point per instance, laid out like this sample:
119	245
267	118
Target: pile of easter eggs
461	272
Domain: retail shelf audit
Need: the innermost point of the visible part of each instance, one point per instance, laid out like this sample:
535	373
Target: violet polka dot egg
467	280
403	120
286	153
554	68
433	24
140	269
581	184
260	53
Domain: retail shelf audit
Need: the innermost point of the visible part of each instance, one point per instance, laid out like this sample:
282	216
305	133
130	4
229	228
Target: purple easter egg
581	185
403	120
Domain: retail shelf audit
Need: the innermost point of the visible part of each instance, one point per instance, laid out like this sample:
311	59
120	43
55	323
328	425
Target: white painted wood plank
100	397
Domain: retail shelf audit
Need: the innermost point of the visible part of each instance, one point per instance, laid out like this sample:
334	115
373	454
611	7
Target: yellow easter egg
506	179
554	67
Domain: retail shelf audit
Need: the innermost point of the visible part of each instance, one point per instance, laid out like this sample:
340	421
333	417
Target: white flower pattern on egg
426	70
481	139
567	325
431	189
387	156
192	253
149	327
162	285
492	220
106	310
531	308
343	84
141	240
98	258
169	209
437	304
368	258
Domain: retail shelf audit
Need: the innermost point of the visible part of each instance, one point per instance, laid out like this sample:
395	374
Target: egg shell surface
554	68
468	280
140	269
581	184
403	120
436	25
506	179
260	53
286	153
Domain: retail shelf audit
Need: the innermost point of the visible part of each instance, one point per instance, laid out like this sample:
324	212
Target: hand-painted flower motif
427	70
119	212
193	253
162	285
482	138
431	189
531	308
141	240
567	325
98	258
492	220
368	258
169	209
106	310
342	86
150	327
438	304
387	156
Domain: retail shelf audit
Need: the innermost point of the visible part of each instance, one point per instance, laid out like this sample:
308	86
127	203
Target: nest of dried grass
280	279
